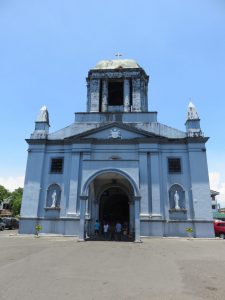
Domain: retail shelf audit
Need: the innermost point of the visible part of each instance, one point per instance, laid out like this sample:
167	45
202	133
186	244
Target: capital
136	198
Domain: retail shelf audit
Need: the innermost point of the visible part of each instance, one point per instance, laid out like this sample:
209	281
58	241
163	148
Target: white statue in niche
176	198
54	199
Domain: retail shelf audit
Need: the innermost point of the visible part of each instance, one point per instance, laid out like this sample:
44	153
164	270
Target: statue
54	199
176	200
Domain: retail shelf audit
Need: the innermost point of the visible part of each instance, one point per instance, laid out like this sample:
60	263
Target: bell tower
119	85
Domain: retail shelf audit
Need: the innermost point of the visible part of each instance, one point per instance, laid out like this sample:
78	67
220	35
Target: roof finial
192	112
118	55
43	115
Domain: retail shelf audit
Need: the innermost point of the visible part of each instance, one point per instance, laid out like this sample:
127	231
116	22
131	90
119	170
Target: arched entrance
114	206
109	194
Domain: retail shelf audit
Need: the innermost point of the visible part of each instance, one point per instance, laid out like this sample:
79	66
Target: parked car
219	227
11	223
2	225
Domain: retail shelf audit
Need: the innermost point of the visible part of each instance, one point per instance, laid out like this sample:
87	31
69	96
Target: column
136	83
94	95
144	100
155	185
104	96
131	210
82	218
137	219
126	100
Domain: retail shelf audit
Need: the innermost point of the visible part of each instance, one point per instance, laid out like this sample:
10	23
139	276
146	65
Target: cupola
118	85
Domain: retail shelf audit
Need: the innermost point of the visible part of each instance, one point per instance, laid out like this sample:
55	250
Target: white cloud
217	185
12	183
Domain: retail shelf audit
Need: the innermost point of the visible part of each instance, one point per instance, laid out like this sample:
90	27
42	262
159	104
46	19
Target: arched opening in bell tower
115	92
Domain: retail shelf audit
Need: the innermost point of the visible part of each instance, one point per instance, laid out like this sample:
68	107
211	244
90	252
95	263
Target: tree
16	201
4	193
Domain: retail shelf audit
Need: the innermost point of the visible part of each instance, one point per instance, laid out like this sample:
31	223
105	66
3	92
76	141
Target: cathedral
116	162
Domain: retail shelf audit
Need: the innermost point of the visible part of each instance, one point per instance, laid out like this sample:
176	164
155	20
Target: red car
219	227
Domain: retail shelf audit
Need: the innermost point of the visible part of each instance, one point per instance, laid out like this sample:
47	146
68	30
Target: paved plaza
62	268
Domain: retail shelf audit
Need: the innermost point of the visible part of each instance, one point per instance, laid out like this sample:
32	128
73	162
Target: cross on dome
118	55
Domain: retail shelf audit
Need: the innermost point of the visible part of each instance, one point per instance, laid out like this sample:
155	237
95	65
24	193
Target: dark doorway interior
115	93
114	206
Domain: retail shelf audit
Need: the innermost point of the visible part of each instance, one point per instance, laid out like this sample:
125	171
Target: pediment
114	131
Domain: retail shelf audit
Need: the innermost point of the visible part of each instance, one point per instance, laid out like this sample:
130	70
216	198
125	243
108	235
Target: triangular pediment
114	131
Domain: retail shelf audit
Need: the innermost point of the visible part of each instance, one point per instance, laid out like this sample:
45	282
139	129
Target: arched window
176	197
53	196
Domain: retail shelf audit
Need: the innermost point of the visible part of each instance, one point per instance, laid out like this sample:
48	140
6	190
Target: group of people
111	231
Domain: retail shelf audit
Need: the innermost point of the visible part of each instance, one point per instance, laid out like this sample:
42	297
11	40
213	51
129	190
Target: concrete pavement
61	268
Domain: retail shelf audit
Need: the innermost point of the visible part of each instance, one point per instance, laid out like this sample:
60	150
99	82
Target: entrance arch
110	191
84	191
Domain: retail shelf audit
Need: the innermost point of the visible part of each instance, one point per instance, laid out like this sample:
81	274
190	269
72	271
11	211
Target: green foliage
15	198
16	205
17	193
4	193
38	228
16	201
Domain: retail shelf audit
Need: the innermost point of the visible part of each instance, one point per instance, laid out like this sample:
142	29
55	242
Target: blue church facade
117	162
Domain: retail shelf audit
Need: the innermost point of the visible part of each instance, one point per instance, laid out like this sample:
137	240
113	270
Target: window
57	165
115	93
174	165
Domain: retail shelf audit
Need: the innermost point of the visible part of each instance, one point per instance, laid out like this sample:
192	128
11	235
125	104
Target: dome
117	63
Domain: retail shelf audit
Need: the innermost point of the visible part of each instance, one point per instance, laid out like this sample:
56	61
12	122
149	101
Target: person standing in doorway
97	227
105	229
118	231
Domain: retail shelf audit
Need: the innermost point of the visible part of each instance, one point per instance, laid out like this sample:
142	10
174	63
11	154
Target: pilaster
33	180
104	96
83	200
136	84
155	184
144	182
94	95
200	189
137	219
74	176
126	100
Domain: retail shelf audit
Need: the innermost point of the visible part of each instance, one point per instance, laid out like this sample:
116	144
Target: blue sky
48	46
